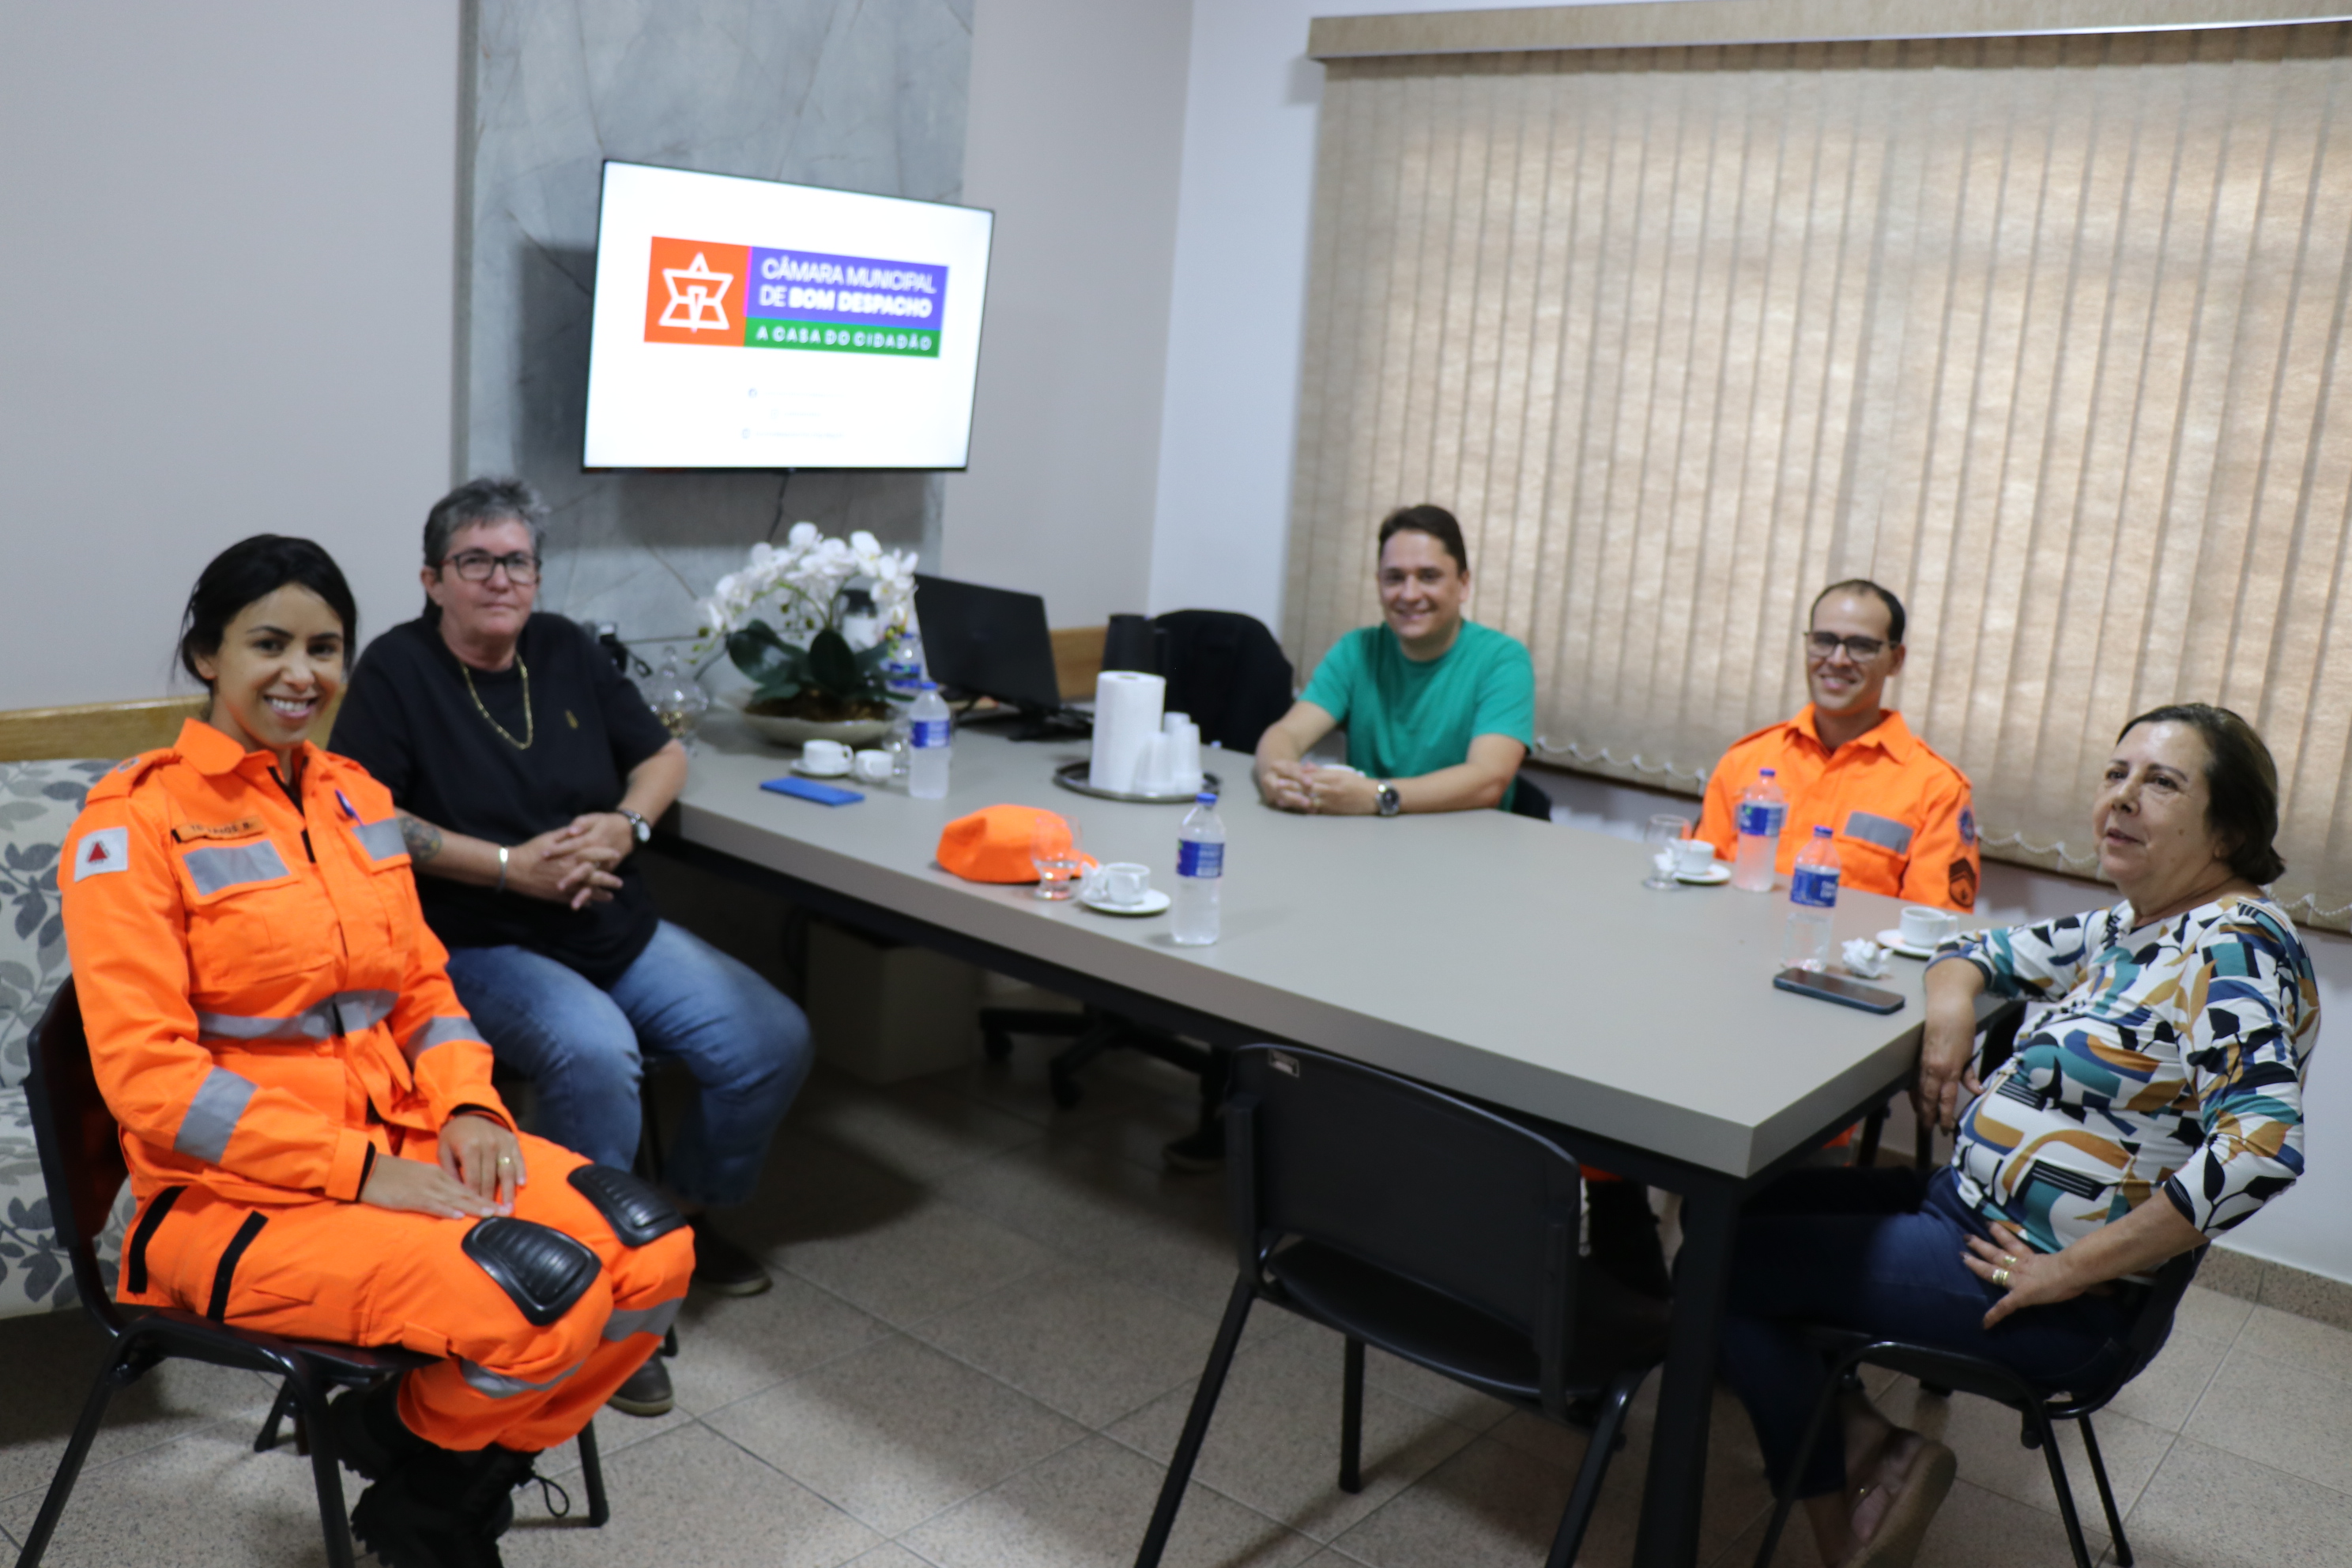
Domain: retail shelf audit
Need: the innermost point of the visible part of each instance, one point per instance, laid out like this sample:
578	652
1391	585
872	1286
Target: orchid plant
812	623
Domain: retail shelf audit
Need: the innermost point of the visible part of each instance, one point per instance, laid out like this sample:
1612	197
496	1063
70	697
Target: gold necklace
528	731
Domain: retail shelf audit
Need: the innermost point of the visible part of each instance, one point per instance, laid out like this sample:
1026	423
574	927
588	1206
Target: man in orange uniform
270	1021
1901	814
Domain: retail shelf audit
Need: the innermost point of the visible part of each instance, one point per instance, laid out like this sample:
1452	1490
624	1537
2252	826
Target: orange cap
992	845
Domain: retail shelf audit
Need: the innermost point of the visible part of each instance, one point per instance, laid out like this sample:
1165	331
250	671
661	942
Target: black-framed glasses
1862	650
475	566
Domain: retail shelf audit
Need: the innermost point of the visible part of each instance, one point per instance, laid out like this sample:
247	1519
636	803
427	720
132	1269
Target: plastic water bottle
931	742
902	675
1812	895
1200	868
1762	810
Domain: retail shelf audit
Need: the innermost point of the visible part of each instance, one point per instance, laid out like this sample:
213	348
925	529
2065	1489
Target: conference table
1514	962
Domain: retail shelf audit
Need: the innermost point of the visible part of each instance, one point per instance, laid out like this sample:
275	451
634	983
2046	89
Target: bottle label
930	733
1195	858
1759	819
1815	887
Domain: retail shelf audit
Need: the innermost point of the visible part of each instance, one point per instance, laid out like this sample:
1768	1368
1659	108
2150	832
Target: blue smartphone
809	789
1838	988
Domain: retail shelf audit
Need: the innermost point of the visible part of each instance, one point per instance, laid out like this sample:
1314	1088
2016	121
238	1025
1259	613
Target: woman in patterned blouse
2156	1104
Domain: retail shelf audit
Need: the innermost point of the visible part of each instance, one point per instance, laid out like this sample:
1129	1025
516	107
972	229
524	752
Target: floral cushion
38	802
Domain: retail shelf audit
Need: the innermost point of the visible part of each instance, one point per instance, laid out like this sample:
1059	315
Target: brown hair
1895	617
2241	784
1434	520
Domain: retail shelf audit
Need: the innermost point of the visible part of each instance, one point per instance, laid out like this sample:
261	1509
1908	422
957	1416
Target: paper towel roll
1127	715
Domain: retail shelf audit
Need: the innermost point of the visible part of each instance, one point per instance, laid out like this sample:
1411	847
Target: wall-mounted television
746	323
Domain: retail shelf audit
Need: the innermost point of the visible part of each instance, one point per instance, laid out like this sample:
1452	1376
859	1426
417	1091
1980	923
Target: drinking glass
1661	836
1054	850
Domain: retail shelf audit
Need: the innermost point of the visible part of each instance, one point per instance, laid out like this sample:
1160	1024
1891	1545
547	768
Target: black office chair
1408	1219
1942	1370
81	1161
1529	799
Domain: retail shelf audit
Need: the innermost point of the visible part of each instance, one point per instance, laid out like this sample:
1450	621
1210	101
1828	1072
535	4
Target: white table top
1498	956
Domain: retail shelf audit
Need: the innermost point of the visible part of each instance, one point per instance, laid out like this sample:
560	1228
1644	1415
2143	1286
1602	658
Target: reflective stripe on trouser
327	1270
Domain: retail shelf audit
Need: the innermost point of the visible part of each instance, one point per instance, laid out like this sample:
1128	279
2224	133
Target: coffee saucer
1715	876
1152	904
1892	941
807	771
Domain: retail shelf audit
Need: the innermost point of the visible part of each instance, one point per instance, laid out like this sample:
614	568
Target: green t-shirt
1405	719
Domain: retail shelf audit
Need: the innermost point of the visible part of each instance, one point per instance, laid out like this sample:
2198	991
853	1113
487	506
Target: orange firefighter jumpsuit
268	1017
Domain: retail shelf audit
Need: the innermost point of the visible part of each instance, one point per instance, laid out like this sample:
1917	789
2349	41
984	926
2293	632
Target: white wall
226	264
1074	126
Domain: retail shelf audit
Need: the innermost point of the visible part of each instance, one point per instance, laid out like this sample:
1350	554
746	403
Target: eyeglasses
1862	650
475	566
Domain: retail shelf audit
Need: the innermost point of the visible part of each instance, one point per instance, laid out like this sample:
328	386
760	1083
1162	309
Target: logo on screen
739	296
694	292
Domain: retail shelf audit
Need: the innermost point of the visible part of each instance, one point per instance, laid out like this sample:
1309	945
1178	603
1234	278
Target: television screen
752	324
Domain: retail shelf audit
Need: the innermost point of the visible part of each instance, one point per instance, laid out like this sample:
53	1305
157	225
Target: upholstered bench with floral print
39	801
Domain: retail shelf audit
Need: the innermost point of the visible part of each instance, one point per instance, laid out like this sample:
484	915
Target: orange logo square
695	292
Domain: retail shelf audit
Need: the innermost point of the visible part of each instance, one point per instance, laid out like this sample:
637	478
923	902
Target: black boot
443	1508
1623	1235
370	1436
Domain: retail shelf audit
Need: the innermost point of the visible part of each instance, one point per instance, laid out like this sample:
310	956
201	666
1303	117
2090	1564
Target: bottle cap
1765	773
1206	797
1822	831
930	686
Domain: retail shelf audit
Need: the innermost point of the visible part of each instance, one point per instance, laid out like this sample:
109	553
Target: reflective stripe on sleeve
213	1116
344	1013
654	1319
439	1032
1883	831
497	1385
224	866
382	841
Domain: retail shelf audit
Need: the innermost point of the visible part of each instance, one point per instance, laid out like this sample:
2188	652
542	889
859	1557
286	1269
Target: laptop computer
993	642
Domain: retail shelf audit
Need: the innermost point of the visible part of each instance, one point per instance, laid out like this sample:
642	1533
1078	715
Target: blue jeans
584	1048
1879	1252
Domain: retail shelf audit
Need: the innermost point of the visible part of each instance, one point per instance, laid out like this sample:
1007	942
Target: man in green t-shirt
1440	711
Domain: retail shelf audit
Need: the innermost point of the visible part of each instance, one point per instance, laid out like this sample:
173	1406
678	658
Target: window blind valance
2043	333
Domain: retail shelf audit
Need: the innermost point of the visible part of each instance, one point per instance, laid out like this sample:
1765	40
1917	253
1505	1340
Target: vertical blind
2042	333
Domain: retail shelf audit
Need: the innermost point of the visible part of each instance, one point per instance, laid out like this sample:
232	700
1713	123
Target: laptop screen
989	642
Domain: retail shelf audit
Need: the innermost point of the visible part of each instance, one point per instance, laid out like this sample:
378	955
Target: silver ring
2000	1277
2009	1259
505	1159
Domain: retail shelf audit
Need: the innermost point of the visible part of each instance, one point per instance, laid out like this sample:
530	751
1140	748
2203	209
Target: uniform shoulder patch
102	849
1968	825
1963	886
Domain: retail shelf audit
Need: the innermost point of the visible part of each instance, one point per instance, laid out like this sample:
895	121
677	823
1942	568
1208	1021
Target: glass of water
1054	850
1662	833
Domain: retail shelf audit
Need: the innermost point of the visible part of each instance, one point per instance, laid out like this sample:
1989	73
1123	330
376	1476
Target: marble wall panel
866	95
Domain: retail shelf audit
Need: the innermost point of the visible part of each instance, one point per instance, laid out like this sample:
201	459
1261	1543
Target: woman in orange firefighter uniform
314	1143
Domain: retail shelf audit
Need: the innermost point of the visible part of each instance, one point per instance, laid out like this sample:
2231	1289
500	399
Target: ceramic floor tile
922	1260
1089	1506
614	1432
917	1131
2314	1347
691	1496
890	1554
1490	1504
51	1361
1138	1134
2280	1414
1273	1444
202	1500
895	1432
1017	1086
1974	1529
1077	1198
1438	1395
1187	1265
2216	1510
1080	1341
2209	1314
731	1346
2163	1394
1983	1437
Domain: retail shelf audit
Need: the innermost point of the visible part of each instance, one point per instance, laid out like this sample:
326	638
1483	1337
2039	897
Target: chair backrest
1529	799
1227	672
1406	1177
80	1143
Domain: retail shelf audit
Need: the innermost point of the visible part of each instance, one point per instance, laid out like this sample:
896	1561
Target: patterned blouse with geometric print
2172	1055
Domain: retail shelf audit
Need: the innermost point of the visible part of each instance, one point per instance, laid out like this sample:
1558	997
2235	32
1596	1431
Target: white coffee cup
1120	882
827	757
1693	857
873	766
1924	927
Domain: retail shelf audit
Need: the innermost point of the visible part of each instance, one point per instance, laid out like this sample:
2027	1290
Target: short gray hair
479	501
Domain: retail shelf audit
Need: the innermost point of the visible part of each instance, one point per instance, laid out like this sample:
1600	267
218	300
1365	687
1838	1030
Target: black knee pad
542	1270
636	1213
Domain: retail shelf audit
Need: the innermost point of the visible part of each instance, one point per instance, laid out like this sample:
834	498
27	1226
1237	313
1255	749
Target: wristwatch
645	830
1390	802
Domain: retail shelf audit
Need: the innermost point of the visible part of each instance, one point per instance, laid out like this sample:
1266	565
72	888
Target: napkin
1865	958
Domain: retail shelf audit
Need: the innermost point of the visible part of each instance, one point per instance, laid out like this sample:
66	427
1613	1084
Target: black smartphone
1839	989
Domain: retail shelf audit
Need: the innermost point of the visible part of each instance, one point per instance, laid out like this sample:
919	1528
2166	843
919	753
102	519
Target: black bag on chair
1226	673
